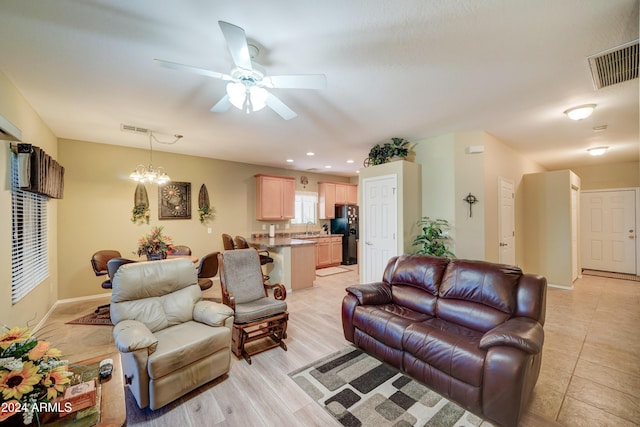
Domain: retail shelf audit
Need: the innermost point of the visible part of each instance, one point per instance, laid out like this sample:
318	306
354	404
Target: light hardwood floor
590	371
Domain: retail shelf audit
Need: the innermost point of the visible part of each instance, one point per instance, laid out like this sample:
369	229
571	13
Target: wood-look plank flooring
590	351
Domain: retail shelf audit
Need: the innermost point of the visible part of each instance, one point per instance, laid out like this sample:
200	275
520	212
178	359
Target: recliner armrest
132	335
212	313
371	293
519	332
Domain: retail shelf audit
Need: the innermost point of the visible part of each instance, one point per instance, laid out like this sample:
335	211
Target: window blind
29	254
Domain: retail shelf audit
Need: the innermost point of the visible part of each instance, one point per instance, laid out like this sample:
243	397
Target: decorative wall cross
471	199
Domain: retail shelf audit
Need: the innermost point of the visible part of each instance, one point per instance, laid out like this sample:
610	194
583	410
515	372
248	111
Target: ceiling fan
248	84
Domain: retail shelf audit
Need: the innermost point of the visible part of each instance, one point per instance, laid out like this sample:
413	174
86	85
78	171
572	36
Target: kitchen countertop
282	241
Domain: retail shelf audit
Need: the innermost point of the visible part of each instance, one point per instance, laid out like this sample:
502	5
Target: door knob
368	243
502	244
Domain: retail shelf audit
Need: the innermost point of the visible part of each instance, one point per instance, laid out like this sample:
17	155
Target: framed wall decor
174	200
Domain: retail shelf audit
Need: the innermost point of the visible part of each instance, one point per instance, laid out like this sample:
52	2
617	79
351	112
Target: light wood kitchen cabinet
326	200
336	250
331	194
323	252
275	197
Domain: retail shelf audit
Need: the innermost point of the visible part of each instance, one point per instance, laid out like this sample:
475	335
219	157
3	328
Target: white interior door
379	225
609	230
506	221
575	270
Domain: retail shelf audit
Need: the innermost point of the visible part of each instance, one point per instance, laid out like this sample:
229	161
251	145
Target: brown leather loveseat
469	330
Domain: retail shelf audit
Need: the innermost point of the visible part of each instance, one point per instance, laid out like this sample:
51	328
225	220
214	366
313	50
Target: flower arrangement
140	213
31	374
155	243
206	213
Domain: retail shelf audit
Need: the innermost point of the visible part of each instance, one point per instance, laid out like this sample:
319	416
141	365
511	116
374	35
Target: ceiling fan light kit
248	84
580	112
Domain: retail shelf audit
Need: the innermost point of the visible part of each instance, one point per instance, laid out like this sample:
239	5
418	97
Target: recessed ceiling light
580	112
597	151
350	161
358	171
311	153
289	160
327	167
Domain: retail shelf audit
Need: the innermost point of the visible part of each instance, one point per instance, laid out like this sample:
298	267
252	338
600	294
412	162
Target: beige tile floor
590	372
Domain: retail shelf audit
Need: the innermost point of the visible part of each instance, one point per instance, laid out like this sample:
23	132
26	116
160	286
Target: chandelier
149	173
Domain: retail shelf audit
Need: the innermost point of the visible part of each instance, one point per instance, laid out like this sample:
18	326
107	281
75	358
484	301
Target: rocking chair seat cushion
258	309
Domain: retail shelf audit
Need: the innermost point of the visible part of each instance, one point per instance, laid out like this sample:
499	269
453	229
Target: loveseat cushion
450	348
386	323
183	344
478	294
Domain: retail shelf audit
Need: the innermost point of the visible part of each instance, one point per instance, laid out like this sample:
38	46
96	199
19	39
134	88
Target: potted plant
380	154
140	214
434	238
155	245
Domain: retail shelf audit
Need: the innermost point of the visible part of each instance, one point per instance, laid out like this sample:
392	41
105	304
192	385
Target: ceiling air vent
129	128
615	65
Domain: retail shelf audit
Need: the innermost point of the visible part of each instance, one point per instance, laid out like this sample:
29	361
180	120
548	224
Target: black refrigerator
346	223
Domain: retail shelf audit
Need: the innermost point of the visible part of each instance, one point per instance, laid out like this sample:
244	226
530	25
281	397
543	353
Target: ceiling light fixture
597	151
246	96
311	153
350	161
580	112
289	160
149	174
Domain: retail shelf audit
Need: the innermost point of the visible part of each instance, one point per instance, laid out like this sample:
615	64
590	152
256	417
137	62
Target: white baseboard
563	287
66	301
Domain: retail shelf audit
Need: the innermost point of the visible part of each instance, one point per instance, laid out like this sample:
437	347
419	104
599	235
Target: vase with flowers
155	245
32	375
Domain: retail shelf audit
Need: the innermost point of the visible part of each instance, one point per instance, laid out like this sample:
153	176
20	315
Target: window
29	255
306	207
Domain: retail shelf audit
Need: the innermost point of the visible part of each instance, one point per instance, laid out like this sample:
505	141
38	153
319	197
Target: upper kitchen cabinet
331	194
275	197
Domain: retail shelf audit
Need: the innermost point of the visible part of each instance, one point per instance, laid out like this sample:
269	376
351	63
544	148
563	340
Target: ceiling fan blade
279	107
221	106
237	43
201	71
301	81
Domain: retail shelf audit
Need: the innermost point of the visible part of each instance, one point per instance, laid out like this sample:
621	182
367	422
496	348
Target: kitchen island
294	260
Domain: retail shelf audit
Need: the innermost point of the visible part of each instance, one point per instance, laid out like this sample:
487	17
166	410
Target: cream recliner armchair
170	341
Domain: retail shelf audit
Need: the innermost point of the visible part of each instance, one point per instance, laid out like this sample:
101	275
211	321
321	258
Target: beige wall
614	175
548	225
449	174
31	309
95	212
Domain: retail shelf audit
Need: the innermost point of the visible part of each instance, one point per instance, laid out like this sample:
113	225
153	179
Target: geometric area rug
359	390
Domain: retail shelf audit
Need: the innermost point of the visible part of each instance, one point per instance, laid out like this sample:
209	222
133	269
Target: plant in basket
155	245
32	375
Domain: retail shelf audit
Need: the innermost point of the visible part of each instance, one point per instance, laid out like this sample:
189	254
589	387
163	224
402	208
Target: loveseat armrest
519	332
132	335
212	313
371	293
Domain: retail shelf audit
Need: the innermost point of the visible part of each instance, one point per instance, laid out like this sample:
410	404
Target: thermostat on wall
475	149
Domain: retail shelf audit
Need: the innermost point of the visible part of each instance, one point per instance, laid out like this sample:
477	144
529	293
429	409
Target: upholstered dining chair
181	250
99	265
112	266
257	314
227	242
207	269
265	258
170	340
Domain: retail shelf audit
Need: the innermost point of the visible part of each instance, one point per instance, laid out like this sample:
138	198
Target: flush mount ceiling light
150	174
580	112
597	151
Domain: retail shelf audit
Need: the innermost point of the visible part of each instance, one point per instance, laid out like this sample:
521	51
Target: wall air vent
136	129
615	65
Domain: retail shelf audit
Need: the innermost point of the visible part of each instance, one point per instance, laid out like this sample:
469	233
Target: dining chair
227	242
181	250
99	265
207	269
